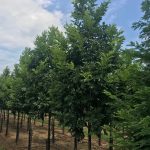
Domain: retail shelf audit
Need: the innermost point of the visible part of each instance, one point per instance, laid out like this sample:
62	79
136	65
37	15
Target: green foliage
84	77
6	89
133	115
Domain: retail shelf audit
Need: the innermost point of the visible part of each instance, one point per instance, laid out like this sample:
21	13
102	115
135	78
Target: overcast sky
22	20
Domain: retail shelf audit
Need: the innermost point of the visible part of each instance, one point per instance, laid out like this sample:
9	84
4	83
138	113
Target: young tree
141	133
6	95
90	42
47	54
18	100
134	88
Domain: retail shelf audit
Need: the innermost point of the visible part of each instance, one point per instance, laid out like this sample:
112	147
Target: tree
18	100
47	54
6	95
142	134
133	113
90	42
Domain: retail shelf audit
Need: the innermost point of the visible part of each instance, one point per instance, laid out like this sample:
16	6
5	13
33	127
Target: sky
22	20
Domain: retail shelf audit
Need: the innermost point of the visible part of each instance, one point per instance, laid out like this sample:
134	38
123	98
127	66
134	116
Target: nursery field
63	141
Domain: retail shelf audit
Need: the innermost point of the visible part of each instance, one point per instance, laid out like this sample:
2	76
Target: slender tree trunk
30	134
4	115
99	137
63	126
2	118
42	122
89	131
21	122
75	143
14	118
49	131
89	137
111	137
7	123
53	130
28	123
42	116
17	129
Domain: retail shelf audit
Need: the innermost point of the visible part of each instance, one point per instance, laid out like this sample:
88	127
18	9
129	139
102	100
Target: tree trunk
53	130
89	137
42	122
4	115
1	125
63	126
28	123
99	140
75	143
7	123
99	137
30	135
49	131
42	116
17	129
110	138
21	122
14	118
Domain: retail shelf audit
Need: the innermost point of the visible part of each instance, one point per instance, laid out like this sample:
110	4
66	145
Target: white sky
20	22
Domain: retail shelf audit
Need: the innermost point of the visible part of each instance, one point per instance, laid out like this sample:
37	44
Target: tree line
84	77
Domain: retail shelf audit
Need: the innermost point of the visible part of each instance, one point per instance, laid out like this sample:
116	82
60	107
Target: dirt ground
62	141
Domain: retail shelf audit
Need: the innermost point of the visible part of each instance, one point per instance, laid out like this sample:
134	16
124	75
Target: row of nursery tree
84	78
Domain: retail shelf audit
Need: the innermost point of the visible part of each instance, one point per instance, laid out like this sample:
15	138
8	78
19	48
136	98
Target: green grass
1	148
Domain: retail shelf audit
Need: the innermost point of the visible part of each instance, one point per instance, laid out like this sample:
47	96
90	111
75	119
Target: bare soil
62	141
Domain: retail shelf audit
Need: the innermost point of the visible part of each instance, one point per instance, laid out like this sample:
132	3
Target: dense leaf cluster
85	78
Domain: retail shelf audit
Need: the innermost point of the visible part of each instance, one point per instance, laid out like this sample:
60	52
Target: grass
1	148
